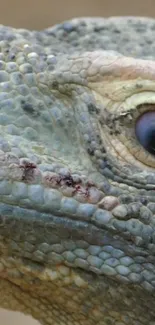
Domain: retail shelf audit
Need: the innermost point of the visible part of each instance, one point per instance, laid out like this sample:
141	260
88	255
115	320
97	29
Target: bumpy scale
77	183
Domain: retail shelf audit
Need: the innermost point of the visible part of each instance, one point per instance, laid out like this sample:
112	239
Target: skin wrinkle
76	187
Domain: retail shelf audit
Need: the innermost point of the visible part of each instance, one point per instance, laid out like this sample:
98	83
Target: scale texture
77	179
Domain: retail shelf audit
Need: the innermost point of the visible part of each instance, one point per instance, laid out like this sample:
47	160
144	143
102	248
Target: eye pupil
145	131
151	141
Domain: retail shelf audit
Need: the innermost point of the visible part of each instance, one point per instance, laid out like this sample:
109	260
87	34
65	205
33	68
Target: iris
145	131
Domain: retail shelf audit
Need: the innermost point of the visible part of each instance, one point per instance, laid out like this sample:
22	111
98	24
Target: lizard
77	171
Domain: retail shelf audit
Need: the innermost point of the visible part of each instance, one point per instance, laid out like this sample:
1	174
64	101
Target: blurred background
38	14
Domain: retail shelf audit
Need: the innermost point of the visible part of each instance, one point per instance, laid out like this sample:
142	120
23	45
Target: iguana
77	172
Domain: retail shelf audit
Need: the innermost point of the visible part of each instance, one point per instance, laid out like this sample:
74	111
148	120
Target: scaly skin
77	202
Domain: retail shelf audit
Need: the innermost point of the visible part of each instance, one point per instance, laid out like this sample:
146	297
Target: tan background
38	14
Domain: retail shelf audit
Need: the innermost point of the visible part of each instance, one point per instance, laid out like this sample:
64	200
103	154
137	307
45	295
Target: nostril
145	131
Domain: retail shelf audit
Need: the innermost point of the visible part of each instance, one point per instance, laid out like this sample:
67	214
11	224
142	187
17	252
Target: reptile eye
145	131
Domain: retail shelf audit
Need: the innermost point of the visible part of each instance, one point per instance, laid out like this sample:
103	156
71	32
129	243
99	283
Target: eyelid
131	103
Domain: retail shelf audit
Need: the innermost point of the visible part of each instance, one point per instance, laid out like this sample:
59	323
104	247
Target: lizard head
77	177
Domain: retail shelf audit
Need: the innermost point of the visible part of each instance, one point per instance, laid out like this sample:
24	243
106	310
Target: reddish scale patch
60	180
68	181
28	170
84	190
